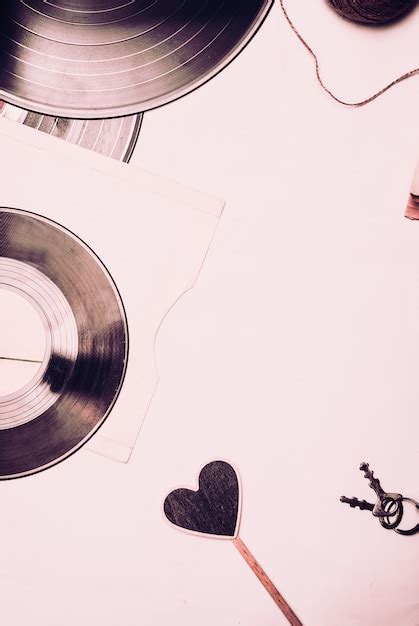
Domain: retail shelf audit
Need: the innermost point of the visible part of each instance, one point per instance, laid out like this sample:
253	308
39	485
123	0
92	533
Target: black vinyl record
86	347
113	137
102	58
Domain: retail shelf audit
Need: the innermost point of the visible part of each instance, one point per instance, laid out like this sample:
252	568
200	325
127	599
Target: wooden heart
212	510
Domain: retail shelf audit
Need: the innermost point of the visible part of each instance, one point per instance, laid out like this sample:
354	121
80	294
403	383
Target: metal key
388	505
360	504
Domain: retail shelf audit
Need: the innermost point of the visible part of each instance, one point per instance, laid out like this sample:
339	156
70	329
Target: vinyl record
115	138
103	58
86	343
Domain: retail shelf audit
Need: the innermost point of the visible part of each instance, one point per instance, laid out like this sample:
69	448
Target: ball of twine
396	81
374	12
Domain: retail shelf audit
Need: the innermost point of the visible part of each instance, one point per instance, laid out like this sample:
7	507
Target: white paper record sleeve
151	235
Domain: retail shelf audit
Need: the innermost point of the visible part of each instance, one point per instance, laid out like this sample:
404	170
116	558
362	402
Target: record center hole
22	341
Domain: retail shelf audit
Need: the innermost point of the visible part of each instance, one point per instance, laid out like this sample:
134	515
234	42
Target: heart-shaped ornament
214	509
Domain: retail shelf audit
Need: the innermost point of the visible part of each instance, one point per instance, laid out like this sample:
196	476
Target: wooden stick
267	583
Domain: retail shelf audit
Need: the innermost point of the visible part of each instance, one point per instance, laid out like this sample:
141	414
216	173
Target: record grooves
113	137
102	58
87	343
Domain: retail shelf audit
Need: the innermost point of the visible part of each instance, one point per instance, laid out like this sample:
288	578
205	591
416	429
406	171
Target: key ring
391	509
414	529
388	507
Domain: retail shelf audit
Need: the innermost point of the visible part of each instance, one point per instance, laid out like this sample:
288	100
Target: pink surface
295	357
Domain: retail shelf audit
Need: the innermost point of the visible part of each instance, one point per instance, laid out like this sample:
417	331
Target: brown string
319	78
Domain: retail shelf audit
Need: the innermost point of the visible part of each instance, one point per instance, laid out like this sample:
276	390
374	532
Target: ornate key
388	504
388	507
360	504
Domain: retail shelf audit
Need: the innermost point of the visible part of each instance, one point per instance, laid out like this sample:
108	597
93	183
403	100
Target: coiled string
373	12
339	6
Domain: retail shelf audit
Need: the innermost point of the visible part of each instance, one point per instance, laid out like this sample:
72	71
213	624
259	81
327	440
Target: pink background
296	357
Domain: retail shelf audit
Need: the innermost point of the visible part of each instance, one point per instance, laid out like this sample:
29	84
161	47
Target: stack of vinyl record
85	71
